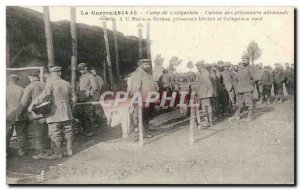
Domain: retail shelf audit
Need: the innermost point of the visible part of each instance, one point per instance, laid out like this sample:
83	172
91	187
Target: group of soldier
221	89
58	122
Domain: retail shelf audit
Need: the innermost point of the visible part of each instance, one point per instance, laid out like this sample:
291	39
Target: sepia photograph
145	95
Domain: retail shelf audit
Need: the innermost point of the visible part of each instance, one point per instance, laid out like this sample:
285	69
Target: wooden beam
74	47
48	34
108	58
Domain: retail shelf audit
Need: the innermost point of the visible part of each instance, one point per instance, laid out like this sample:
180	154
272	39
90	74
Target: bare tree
253	51
175	61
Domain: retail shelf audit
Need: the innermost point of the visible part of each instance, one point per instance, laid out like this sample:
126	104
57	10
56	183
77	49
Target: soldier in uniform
289	81
245	88
38	122
60	116
165	84
96	97
267	81
14	117
165	81
87	89
223	98
204	93
214	98
234	72
100	84
228	80
279	79
143	82
258	73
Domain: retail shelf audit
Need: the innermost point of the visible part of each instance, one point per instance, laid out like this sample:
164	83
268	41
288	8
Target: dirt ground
260	152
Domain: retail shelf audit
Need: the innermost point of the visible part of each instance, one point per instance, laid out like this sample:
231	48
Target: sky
202	40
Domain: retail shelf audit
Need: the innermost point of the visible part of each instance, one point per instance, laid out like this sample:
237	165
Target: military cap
200	63
226	64
220	62
143	61
55	69
245	57
14	76
34	73
81	66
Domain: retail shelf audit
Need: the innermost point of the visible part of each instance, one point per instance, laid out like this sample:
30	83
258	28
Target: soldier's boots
249	118
57	151
54	156
210	118
68	152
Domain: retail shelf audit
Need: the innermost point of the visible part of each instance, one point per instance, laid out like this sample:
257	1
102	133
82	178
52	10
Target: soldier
60	116
38	122
223	98
235	70
96	97
165	81
278	82
258	72
267	81
100	84
228	80
14	118
143	82
214	98
245	88
87	89
204	93
289	81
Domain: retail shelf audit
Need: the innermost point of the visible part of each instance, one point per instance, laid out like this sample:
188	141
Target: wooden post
7	48
74	47
141	127
148	42
114	26
42	74
149	45
48	34
110	75
140	34
104	70
192	122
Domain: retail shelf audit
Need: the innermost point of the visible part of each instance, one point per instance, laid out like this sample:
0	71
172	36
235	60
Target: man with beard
245	88
143	82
